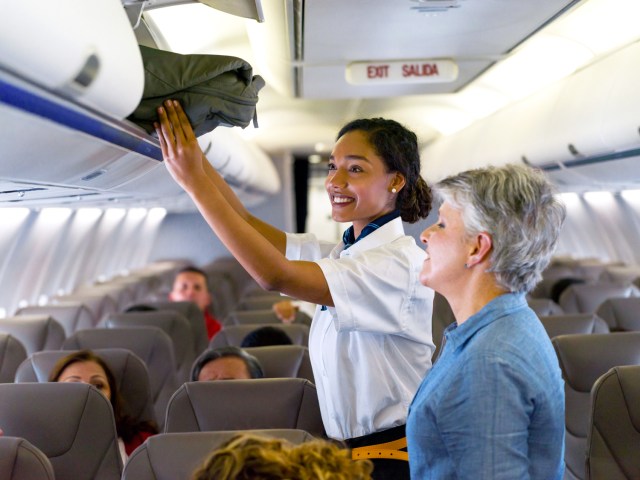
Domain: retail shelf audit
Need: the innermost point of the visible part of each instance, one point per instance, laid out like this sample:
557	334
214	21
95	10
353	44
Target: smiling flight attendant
370	340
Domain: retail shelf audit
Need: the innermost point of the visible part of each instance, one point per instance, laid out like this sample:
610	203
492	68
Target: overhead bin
572	129
62	126
242	163
85	51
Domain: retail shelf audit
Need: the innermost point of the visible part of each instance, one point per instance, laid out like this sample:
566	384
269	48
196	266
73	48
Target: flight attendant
370	341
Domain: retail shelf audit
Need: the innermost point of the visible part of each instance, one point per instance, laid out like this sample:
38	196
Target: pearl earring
393	190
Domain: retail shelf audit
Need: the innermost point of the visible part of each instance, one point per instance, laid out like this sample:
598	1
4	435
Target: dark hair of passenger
266	336
561	285
140	308
253	365
398	148
192	269
126	426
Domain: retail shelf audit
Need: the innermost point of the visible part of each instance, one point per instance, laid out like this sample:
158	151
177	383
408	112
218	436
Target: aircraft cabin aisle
91	222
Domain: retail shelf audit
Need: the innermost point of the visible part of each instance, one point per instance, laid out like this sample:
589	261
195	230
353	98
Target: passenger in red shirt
191	285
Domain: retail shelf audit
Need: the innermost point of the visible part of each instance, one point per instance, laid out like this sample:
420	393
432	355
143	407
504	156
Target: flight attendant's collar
348	235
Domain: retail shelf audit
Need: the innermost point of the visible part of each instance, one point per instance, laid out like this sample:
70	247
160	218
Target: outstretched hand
180	150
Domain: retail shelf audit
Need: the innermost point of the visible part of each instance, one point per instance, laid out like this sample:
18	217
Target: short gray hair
516	206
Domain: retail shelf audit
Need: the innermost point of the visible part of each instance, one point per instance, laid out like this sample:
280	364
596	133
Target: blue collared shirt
492	406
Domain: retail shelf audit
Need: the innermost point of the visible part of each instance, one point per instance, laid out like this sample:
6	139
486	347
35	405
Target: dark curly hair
398	147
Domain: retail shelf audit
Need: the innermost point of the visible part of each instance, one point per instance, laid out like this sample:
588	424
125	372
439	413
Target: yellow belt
382	450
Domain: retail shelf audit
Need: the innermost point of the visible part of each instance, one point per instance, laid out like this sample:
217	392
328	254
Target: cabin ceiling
472	33
304	50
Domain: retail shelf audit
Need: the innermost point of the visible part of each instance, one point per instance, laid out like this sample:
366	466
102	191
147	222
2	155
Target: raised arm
258	246
275	236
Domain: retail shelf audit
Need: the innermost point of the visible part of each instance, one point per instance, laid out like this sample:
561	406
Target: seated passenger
286	310
266	336
85	366
191	285
492	406
225	363
250	456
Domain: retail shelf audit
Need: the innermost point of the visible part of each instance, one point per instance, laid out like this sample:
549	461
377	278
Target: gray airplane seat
284	361
188	310
71	423
235	334
441	318
150	344
172	323
168	456
71	315
12	354
621	314
122	294
587	297
262	403
99	304
259	302
614	425
35	332
573	323
20	460
544	306
268	316
583	359
130	372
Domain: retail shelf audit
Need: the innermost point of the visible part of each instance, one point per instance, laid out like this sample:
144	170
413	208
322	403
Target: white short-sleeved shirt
370	352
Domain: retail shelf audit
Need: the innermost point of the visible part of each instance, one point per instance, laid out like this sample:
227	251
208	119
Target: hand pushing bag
212	89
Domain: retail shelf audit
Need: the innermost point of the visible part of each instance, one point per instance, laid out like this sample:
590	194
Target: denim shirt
492	406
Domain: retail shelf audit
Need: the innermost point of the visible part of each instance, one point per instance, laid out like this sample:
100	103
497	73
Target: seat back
35	332
441	318
587	297
253	317
544	307
12	354
194	316
583	359
621	314
71	315
614	425
257	302
19	460
72	423
573	323
172	323
234	334
130	372
240	405
168	456
284	361
99	304
150	344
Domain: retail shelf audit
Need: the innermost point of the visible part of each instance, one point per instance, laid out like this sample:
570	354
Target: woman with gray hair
492	406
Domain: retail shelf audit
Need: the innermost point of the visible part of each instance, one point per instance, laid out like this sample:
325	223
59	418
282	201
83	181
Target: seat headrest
584	358
20	460
72	423
168	456
240	405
